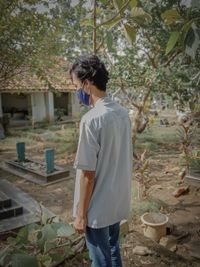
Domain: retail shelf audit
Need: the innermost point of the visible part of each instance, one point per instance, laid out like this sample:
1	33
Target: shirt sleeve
88	148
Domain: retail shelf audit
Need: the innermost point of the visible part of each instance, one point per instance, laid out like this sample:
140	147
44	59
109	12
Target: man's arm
86	189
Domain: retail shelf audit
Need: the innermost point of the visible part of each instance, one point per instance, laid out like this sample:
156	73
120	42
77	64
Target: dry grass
62	138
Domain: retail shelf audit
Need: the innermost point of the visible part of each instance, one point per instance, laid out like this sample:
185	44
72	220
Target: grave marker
49	158
20	147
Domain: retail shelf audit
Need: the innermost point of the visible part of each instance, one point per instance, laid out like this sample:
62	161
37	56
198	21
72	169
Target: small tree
151	50
29	37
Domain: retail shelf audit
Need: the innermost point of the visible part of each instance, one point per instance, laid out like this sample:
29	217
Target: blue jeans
103	246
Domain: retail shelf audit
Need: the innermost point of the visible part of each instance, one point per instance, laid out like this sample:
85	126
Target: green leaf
171	16
198	32
55	219
46	260
45	235
22	237
191	48
98	11
22	260
44	218
49	244
133	3
117	4
185	29
63	229
192	40
33	230
113	22
120	5
109	41
3	254
130	33
86	22
33	227
139	12
57	257
172	41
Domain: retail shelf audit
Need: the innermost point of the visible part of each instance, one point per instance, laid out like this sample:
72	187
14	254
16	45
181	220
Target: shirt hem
102	225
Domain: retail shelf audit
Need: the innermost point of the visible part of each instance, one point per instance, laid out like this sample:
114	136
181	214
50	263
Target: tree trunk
94	29
136	124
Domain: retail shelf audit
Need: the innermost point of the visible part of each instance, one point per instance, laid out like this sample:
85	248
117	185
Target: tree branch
100	45
115	16
133	104
152	59
126	94
148	38
147	94
171	58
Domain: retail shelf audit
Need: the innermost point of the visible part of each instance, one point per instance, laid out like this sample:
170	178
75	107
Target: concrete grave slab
36	176
21	202
35	171
193	179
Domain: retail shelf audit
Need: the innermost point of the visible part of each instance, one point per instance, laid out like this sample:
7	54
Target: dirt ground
183	212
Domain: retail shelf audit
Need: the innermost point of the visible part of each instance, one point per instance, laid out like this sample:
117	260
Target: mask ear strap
90	99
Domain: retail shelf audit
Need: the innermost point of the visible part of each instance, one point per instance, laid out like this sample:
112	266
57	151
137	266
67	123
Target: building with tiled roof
34	98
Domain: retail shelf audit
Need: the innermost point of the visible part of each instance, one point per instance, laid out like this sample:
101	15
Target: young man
103	162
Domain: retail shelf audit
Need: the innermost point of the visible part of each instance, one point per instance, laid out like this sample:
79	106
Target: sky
42	8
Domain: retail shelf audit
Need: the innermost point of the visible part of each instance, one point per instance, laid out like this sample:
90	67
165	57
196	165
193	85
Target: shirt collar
101	100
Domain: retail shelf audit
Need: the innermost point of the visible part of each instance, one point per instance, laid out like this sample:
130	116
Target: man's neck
98	96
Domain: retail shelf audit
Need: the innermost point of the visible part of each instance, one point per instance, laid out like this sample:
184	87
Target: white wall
49	99
39	112
75	105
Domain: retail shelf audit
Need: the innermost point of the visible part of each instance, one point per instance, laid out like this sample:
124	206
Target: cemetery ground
162	179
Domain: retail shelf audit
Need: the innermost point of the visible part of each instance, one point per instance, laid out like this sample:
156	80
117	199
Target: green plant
38	245
147	205
190	157
186	133
142	174
59	112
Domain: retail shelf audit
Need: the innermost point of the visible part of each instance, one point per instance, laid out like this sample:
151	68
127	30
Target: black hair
92	69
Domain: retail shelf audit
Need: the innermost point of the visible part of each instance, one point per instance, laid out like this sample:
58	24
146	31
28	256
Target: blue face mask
83	96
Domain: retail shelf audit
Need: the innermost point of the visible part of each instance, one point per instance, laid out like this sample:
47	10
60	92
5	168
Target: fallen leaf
180	191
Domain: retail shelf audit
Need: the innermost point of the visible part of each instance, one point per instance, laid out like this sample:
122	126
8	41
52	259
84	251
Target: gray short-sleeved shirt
105	146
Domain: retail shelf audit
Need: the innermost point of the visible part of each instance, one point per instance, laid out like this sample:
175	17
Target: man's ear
87	85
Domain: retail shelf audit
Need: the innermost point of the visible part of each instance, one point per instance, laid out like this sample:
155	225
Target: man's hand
80	225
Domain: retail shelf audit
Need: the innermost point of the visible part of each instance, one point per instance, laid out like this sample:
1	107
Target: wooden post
49	158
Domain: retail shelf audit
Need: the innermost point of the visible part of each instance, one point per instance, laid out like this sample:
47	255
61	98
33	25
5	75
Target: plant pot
154	225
